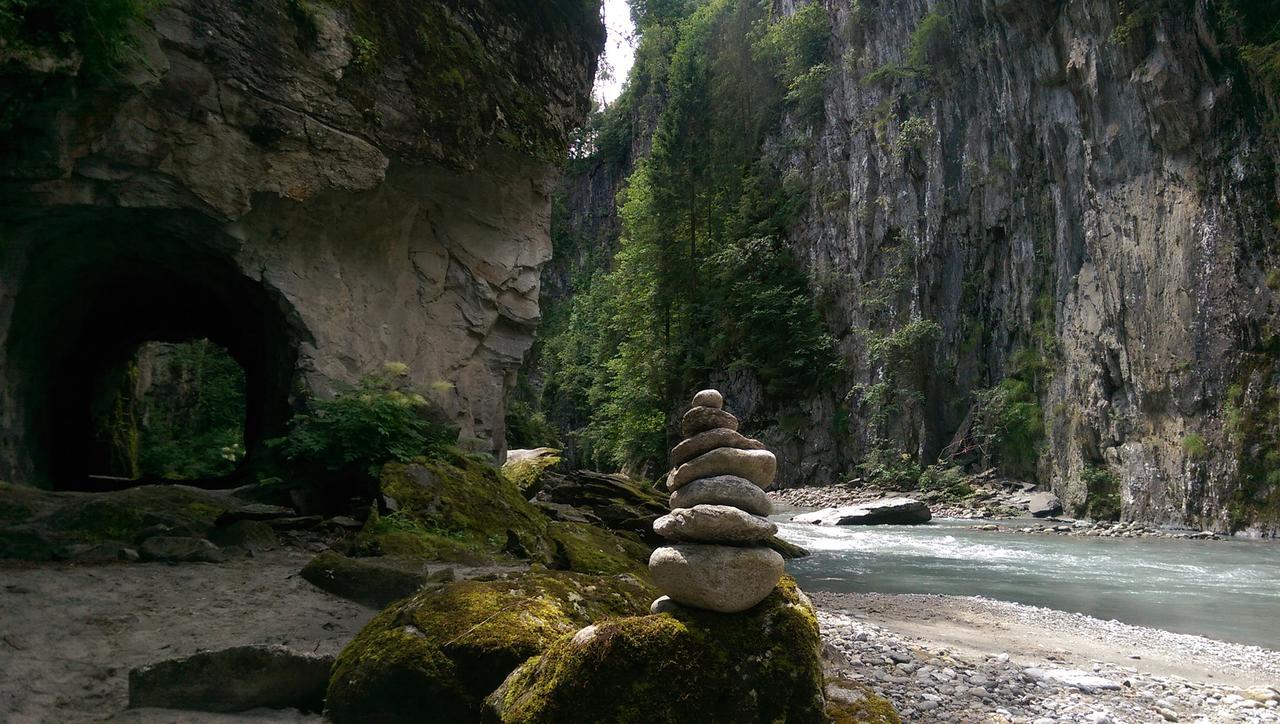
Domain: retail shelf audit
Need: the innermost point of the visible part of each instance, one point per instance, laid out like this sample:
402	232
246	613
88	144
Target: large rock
703	442
439	653
758	466
618	502
682	666
591	549
372	582
1043	505
456	509
234	679
320	187
714	524
525	467
723	490
888	511
701	419
42	525
717	578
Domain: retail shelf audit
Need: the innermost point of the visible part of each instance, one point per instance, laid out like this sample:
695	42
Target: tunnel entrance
94	301
173	411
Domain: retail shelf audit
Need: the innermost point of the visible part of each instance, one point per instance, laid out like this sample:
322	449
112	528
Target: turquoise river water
1227	590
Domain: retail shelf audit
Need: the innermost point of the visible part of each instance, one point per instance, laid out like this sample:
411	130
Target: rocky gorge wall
1080	198
320	187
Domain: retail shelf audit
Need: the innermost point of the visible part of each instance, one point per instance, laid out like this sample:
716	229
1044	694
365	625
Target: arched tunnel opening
96	297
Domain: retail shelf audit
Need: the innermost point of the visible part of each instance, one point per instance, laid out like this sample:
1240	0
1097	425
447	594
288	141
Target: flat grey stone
758	466
701	419
234	679
714	524
709	440
887	511
723	490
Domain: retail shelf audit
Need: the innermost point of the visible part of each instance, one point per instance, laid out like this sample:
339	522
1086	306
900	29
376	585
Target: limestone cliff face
320	187
1095	185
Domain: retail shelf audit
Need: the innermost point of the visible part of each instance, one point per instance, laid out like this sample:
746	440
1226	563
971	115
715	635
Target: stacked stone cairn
717	558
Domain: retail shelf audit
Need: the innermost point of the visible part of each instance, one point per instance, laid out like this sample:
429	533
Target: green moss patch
849	702
588	549
443	651
41	525
456	509
761	665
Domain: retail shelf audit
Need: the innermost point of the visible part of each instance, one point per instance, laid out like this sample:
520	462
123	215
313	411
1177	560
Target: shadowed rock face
305	187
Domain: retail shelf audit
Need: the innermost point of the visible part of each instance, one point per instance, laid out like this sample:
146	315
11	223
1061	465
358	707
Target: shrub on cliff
350	436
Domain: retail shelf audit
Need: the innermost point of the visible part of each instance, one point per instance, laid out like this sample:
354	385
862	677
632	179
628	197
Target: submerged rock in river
888	511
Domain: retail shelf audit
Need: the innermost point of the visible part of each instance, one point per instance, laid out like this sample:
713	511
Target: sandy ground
70	633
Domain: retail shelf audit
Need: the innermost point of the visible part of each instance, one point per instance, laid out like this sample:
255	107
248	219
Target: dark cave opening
92	298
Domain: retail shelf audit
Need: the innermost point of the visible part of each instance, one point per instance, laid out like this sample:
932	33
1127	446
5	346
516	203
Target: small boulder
705	442
234	679
887	511
758	466
251	535
716	578
723	490
170	549
369	582
714	524
786	549
701	419
1044	505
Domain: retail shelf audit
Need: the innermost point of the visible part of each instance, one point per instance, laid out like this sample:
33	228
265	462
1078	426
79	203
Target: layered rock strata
717	558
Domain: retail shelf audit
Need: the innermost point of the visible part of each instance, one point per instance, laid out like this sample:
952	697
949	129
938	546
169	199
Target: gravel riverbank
948	659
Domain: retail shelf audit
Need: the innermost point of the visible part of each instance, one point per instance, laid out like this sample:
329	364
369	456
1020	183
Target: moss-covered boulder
441	652
525	468
761	665
851	702
618	502
457	509
588	549
42	525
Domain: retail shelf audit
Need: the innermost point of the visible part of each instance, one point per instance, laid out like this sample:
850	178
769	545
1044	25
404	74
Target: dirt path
70	633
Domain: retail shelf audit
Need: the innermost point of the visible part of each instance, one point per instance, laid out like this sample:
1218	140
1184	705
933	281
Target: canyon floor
70	633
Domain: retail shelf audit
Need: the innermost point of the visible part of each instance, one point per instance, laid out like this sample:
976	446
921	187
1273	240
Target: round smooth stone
709	398
663	604
758	466
713	524
707	441
701	419
716	578
723	490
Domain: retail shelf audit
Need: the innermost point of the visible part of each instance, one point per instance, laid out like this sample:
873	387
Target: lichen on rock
762	665
443	651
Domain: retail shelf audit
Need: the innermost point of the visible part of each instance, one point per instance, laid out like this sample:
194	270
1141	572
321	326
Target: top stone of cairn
709	398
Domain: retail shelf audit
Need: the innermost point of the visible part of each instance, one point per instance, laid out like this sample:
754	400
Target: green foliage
884	467
1102	493
1009	426
1195	446
912	136
528	427
948	479
930	43
702	278
797	46
378	420
99	30
364	53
